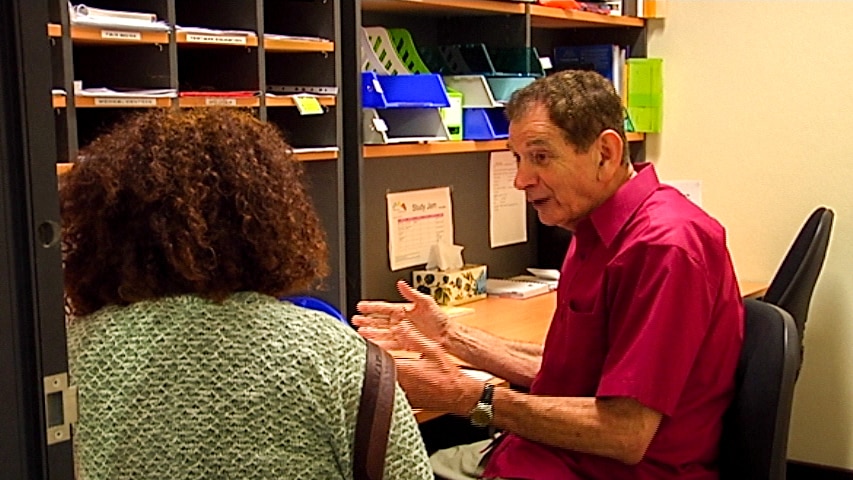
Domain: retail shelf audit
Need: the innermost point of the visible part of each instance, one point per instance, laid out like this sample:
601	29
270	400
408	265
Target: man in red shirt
638	365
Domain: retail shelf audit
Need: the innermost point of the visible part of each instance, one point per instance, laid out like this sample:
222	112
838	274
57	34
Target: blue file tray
403	91
485	124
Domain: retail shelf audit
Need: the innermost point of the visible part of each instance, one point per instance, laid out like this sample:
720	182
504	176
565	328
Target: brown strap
374	414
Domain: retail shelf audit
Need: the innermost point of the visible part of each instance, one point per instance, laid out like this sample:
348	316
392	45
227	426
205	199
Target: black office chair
754	443
794	282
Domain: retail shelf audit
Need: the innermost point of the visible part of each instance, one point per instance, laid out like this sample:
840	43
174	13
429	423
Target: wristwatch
481	415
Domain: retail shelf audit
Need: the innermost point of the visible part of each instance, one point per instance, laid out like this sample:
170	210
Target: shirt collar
612	215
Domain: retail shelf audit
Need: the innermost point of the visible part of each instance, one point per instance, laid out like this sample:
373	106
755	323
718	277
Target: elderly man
638	365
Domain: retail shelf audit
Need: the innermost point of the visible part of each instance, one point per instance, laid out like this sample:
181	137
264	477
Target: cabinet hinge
60	407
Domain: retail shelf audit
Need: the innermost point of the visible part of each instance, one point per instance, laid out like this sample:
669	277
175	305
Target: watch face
481	415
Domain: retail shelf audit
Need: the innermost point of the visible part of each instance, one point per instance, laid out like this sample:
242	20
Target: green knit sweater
251	388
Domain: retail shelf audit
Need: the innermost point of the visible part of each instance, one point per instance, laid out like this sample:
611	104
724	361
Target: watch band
481	415
488	393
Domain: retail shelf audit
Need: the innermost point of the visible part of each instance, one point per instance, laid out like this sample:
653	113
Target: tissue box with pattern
452	287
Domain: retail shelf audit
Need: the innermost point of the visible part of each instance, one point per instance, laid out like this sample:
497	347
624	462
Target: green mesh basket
406	50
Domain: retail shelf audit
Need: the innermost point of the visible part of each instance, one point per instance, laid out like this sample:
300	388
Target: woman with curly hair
180	231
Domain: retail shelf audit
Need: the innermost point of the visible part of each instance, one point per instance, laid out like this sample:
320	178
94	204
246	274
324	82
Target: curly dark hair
196	201
581	103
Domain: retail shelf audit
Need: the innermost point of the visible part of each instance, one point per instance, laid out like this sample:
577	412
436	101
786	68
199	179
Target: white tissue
444	256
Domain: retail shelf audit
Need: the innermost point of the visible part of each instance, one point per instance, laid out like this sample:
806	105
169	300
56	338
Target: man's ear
610	148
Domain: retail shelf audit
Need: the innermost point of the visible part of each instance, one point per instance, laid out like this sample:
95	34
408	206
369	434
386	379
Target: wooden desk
528	320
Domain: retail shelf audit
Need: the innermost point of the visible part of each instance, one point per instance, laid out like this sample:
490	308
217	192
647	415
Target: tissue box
452	287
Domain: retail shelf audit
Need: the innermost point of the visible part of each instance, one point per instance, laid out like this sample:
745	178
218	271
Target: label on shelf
221	39
380	125
308	105
220	102
119	35
125	102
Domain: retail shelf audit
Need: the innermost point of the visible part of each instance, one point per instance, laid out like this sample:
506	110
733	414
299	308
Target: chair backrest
314	303
755	428
794	282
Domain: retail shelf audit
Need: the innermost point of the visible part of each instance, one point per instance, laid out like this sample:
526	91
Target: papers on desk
548	276
518	289
477	374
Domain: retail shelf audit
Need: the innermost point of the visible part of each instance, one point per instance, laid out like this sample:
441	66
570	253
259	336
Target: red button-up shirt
648	307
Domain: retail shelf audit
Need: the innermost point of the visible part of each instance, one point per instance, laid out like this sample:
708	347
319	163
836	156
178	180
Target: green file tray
452	115
406	50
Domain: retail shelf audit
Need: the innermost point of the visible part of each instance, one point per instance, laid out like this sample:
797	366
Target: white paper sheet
417	219
507	205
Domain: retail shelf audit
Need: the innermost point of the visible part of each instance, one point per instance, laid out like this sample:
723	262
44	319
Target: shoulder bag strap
374	414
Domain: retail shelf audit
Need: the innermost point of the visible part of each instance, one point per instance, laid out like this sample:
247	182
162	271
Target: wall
757	106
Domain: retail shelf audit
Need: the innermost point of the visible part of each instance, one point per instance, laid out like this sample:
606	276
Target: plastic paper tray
403	91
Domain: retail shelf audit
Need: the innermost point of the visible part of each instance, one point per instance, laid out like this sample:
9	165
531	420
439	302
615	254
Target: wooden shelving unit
432	148
316	156
278	101
550	17
443	7
219	101
438	148
322	50
290	45
541	17
85	34
121	102
214	39
59	101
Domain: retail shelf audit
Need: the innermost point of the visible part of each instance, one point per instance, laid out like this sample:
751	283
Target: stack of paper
102	17
507	288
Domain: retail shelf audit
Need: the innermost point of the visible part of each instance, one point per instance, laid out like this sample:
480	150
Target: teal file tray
503	87
477	59
516	60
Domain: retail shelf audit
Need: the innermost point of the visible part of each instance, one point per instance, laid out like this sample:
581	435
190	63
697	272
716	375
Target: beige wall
759	106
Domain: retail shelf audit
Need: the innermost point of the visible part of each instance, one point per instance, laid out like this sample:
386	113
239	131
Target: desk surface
528	320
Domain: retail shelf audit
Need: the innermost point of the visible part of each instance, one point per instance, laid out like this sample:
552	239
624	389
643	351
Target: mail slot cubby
309	69
305	131
308	18
215	68
218	14
93	122
122	66
323	183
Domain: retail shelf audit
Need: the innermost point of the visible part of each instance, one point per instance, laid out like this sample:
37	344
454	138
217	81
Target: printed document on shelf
417	219
507	205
